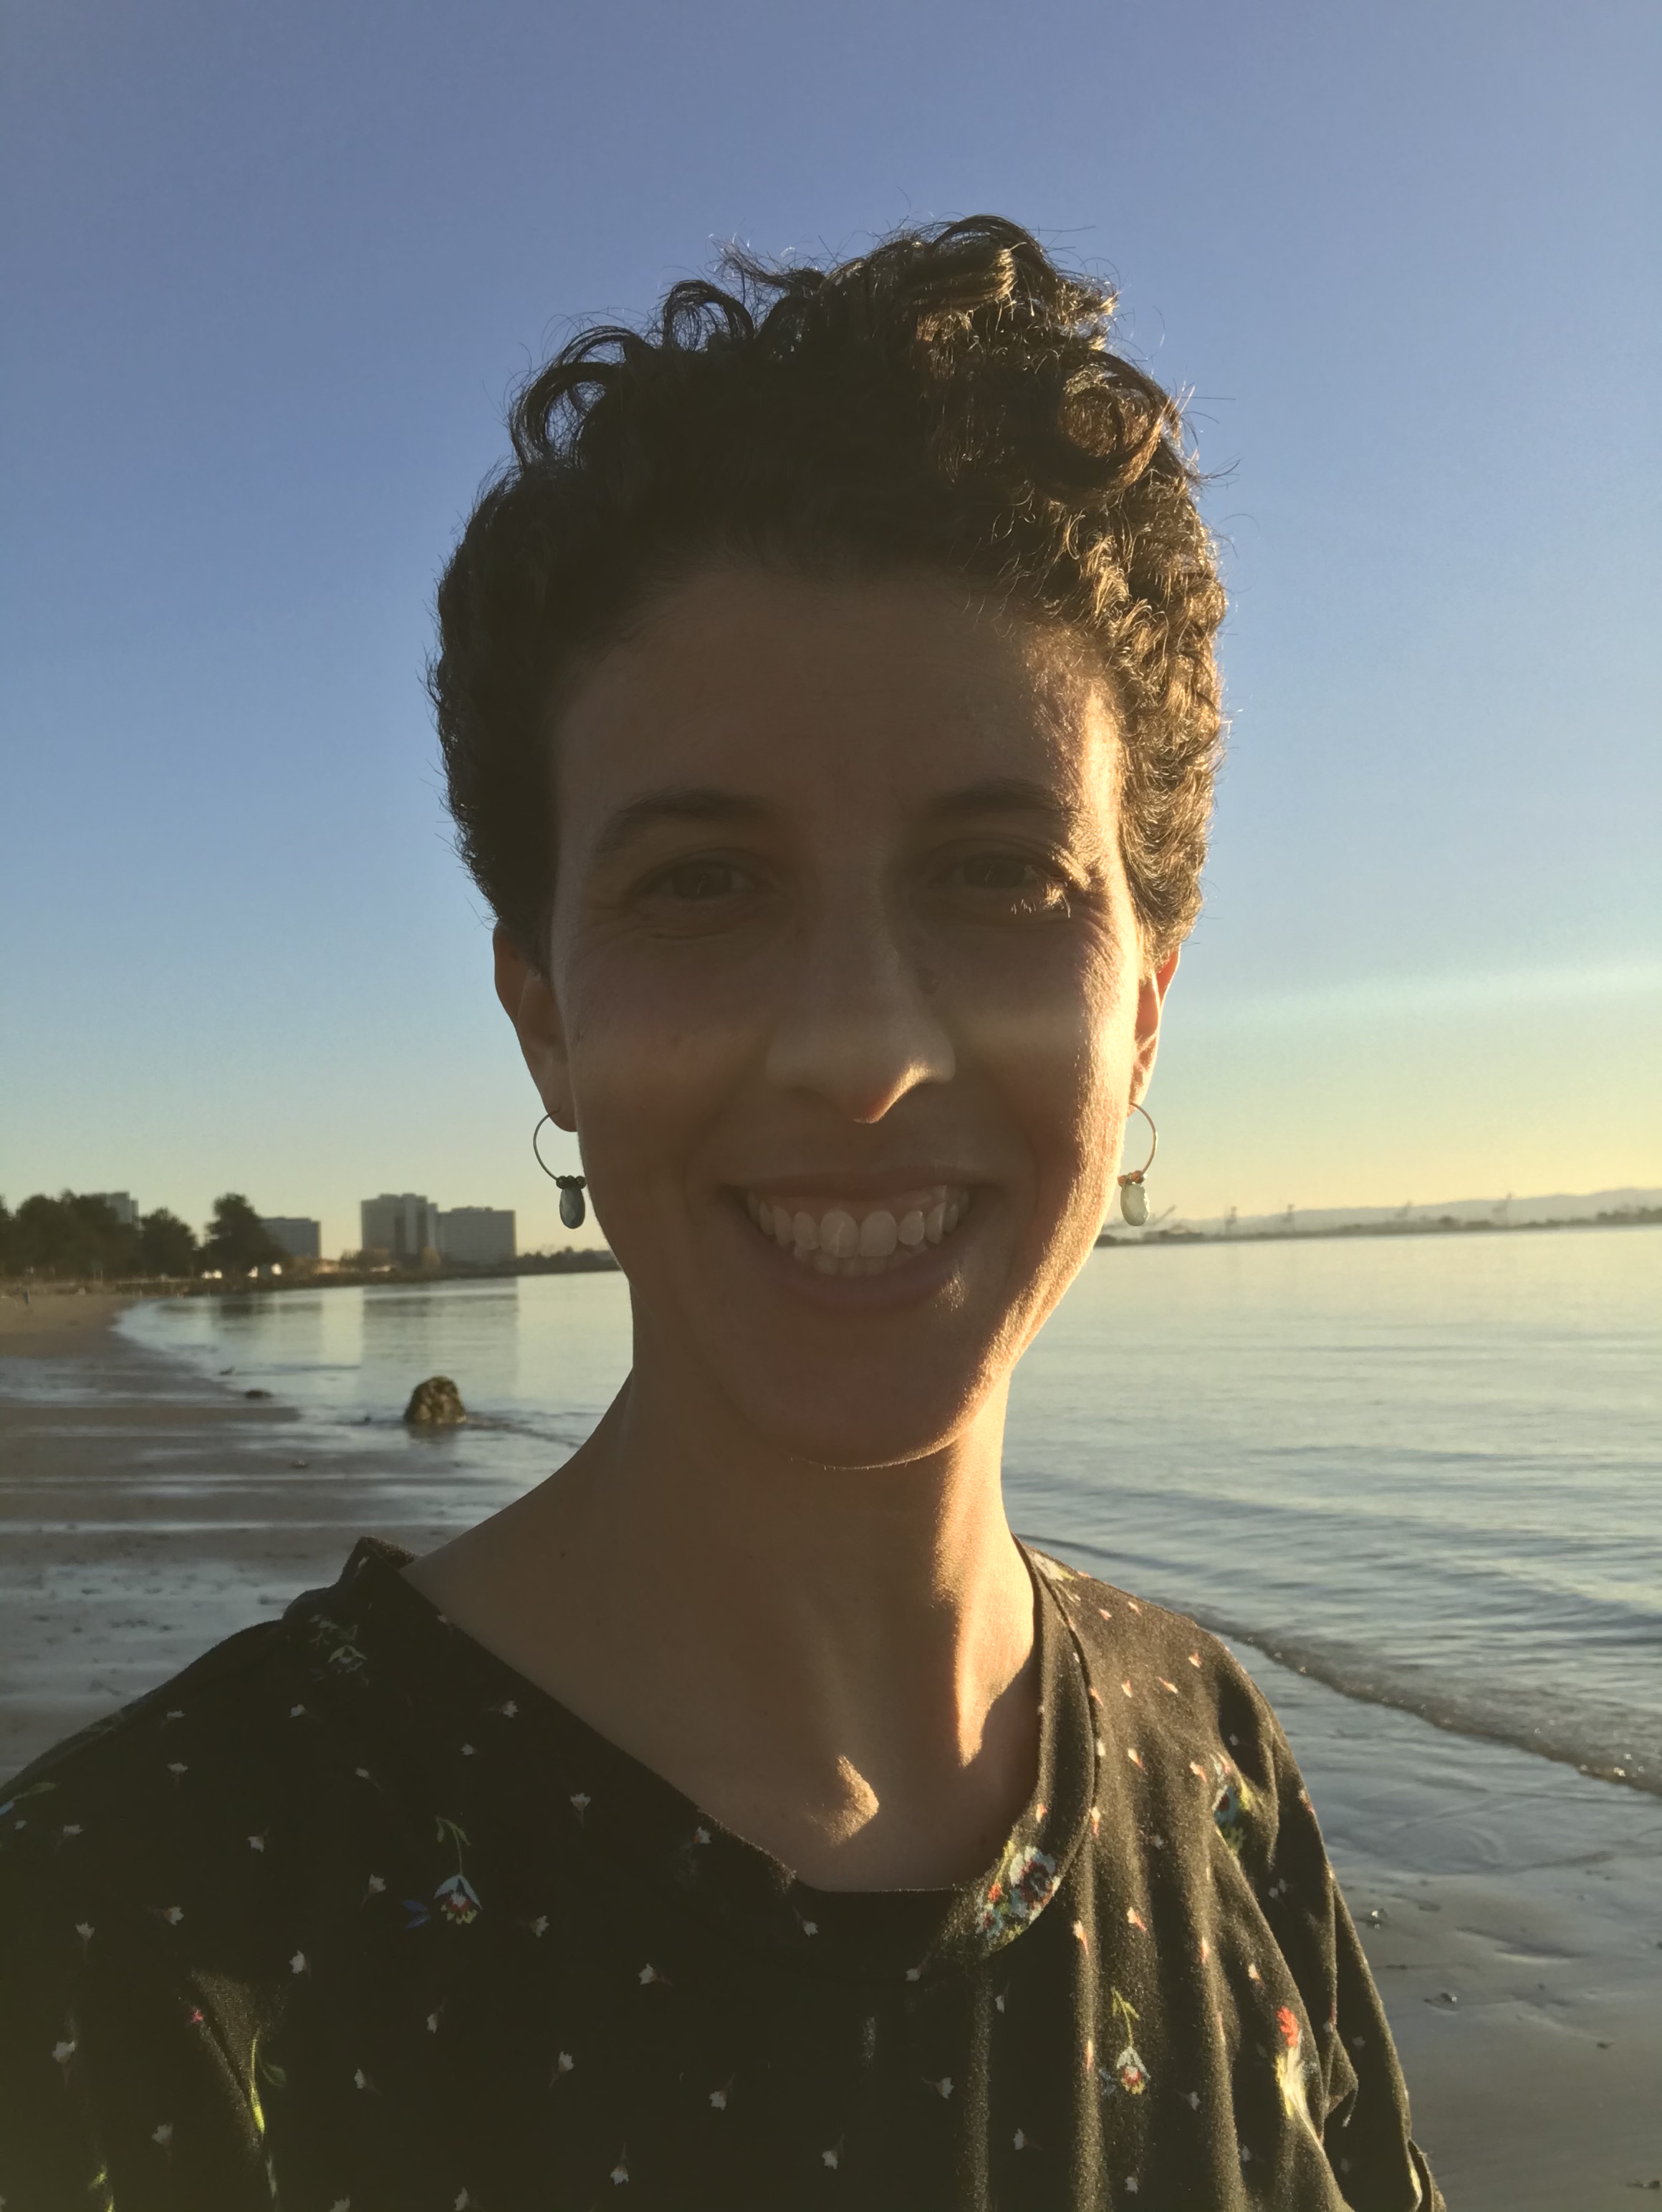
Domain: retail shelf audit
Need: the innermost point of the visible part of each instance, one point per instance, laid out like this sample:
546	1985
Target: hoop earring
1133	1198
571	1188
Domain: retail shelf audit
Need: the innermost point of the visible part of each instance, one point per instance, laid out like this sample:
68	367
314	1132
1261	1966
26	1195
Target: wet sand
146	1513
1512	1908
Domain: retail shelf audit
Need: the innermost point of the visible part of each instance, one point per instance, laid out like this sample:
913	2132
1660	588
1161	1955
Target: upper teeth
854	1229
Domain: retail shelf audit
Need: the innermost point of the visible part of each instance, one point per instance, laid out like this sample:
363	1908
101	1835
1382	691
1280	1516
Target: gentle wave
1609	1741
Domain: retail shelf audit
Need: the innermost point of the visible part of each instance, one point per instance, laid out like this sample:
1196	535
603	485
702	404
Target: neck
835	1662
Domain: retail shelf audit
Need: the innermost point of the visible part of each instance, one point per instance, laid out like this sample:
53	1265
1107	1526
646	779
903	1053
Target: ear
528	1002
1151	1001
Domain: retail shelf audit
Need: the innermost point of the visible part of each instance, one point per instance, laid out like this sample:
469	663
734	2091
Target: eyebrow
1005	795
707	803
691	802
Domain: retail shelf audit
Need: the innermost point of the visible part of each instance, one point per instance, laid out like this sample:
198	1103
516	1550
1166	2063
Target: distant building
402	1224
301	1240
476	1236
119	1203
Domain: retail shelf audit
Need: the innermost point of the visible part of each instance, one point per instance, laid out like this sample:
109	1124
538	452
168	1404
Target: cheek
1056	1035
647	1054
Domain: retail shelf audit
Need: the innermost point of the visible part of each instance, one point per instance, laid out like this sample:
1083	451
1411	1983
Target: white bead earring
1133	1197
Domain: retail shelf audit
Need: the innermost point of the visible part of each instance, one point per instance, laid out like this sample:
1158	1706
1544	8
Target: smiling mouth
859	1237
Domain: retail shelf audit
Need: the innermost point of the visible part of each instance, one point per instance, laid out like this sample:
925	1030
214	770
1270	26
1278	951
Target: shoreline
1510	1907
1179	1233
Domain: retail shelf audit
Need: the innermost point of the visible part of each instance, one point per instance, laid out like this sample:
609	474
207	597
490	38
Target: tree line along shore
77	1241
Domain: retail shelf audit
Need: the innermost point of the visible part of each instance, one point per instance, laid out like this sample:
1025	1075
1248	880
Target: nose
857	1026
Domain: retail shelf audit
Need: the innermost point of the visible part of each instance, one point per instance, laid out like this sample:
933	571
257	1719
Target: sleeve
1354	2089
116	2086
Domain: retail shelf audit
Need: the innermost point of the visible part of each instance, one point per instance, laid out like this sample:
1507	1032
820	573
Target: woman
744	1818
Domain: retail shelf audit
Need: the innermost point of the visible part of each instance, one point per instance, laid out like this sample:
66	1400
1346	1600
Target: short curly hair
947	401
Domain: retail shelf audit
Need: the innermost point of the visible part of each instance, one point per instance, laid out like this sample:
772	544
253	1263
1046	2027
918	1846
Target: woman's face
845	995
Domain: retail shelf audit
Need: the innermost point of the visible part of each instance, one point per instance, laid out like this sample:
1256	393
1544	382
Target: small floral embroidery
1024	1887
1232	1800
456	1900
338	1645
1128	2069
1293	2071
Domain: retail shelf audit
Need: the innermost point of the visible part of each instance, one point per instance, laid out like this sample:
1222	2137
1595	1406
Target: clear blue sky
270	272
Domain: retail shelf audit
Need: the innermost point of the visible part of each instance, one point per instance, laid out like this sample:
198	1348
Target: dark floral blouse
349	1917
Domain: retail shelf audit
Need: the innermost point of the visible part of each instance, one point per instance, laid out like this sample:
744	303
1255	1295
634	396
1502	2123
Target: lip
856	1182
920	1280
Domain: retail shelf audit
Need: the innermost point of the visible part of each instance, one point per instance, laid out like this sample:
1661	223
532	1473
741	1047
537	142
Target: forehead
832	698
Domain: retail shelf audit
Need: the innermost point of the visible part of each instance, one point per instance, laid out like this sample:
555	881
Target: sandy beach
1512	1908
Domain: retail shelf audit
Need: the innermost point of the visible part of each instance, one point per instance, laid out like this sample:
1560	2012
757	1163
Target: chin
859	1425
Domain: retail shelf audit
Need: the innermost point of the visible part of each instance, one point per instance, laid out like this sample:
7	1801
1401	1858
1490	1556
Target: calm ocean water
1427	1471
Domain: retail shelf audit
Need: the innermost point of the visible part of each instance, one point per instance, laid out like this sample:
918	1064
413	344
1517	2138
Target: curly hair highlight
947	401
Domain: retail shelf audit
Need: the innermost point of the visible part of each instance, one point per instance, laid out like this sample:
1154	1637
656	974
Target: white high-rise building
120	1203
476	1236
402	1224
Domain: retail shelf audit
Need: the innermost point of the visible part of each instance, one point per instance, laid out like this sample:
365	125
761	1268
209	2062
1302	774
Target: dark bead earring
571	1188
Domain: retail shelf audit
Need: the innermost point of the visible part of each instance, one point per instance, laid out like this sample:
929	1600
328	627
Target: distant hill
1512	1212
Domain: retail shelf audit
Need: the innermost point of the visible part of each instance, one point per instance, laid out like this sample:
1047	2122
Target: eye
999	872
699	882
1011	884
